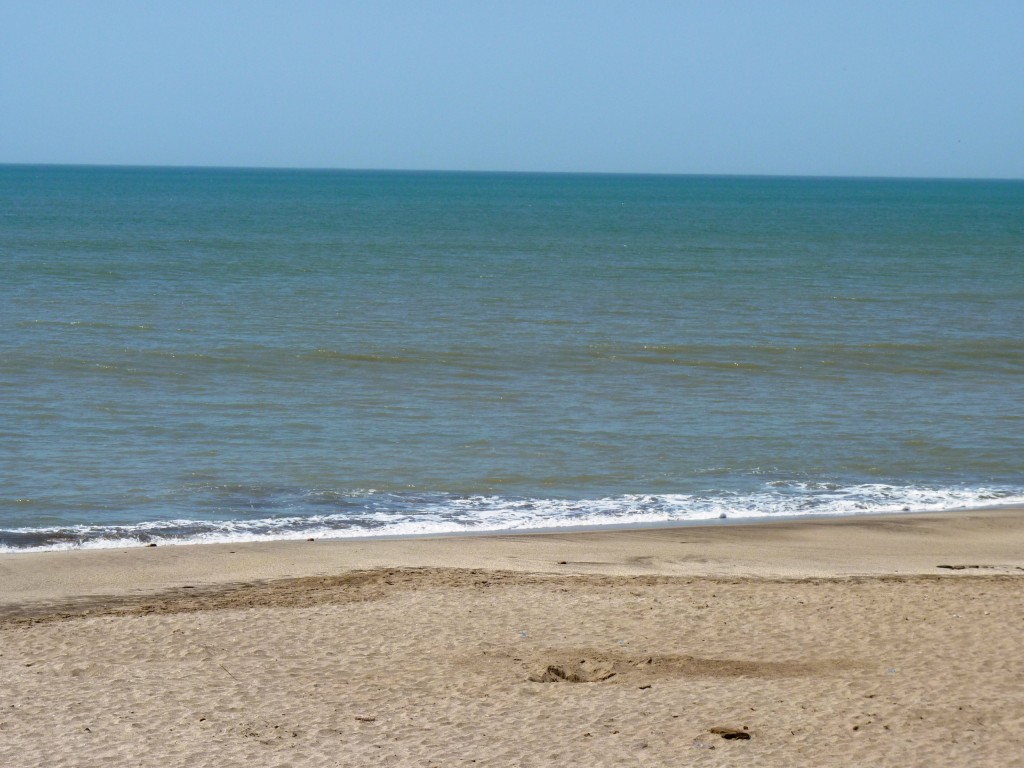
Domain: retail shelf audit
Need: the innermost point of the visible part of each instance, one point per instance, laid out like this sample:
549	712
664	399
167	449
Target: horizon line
496	172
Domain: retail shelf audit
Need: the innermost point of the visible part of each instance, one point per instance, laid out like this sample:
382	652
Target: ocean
192	355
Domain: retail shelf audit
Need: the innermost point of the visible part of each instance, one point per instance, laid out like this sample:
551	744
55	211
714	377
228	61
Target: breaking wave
333	515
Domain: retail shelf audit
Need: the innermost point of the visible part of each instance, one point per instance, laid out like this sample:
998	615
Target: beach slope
858	641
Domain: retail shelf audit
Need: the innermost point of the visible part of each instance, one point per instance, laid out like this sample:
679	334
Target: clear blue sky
836	88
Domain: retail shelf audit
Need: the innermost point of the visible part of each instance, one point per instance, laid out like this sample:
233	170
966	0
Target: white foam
396	515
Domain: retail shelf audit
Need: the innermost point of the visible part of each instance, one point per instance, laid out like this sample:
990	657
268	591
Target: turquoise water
234	354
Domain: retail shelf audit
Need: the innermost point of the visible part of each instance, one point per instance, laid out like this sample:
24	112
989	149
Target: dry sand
837	642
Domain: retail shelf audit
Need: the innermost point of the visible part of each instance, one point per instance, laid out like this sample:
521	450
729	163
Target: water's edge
482	515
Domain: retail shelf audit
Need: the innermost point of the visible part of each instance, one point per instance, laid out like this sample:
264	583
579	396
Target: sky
932	89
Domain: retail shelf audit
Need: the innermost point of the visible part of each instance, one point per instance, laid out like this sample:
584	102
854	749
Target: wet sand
860	641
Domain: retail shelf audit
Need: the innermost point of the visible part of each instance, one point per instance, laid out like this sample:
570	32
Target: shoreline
485	515
815	546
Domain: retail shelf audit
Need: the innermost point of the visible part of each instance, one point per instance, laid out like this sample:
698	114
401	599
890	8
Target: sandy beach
850	642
